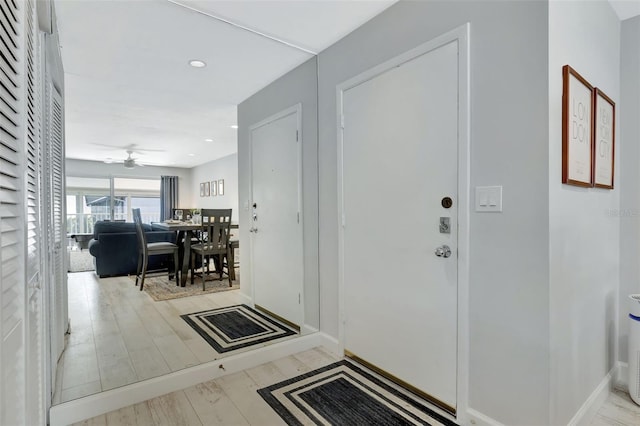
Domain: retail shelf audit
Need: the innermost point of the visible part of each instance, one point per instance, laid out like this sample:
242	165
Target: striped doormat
236	327
344	394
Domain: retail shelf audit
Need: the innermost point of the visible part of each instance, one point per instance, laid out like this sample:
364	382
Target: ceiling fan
129	162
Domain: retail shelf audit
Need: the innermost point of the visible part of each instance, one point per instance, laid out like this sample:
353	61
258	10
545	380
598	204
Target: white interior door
276	233
400	160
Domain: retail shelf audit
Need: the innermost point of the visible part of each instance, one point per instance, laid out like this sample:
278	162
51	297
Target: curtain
168	196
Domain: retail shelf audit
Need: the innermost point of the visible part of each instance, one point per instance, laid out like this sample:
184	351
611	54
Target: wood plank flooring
229	400
119	335
617	410
233	400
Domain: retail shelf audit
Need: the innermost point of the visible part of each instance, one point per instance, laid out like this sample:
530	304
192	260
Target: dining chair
146	249
214	231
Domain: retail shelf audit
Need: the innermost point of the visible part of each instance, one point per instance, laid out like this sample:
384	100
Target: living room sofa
114	248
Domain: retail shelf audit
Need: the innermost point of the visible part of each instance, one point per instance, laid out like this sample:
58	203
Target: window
92	199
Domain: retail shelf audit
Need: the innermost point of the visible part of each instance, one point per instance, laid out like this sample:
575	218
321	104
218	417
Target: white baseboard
104	402
591	406
478	419
331	344
307	329
246	300
622	378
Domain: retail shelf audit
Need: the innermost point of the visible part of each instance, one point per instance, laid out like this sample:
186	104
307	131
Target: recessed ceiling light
197	63
192	155
235	126
208	140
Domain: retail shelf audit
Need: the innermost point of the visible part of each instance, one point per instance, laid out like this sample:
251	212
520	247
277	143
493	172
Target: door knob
253	230
443	251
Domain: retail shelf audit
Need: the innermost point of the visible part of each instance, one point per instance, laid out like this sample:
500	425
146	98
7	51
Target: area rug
344	394
236	327
80	261
160	288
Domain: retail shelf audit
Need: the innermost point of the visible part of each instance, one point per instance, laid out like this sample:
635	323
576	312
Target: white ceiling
626	8
128	82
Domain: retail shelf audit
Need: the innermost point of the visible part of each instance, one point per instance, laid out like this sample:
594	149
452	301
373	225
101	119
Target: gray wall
584	224
628	114
509	272
223	168
297	86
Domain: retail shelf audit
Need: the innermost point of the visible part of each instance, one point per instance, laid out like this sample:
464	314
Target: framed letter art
577	132
604	122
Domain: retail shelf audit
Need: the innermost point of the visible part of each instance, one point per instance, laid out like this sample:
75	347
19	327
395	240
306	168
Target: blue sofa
115	248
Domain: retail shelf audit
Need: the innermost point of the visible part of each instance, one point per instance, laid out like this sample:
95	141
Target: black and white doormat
344	394
235	327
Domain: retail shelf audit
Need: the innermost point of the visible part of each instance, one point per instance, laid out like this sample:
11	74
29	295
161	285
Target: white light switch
488	198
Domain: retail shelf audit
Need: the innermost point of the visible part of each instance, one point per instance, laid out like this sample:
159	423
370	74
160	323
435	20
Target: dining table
186	231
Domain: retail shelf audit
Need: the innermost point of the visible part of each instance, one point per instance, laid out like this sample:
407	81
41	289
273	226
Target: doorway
277	221
404	198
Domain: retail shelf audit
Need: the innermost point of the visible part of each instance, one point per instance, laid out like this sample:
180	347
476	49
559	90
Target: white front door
399	171
276	234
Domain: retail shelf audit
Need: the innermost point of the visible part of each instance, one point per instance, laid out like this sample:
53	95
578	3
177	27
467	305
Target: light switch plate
489	199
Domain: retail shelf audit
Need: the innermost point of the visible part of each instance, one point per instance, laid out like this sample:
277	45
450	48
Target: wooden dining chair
214	232
152	249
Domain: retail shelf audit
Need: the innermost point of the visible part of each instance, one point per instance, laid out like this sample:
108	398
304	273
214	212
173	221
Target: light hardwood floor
229	400
618	410
233	400
119	335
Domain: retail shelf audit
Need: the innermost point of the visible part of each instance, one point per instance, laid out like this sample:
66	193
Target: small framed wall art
214	188
604	113
577	129
206	189
221	187
202	189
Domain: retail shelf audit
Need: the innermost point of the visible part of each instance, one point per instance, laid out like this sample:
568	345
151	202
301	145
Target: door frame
461	35
297	110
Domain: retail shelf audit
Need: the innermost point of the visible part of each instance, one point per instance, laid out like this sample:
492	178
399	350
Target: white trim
332	344
478	419
246	300
591	406
622	378
461	35
464	185
297	110
104	402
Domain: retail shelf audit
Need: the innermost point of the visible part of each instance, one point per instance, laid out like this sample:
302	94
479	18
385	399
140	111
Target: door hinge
342	121
299	298
298	217
344	220
297	136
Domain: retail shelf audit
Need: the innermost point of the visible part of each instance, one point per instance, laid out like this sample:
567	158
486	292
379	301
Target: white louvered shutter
12	264
54	171
35	343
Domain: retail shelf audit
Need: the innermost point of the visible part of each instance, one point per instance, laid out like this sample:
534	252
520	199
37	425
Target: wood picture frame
202	189
214	188
604	125
577	129
221	187
206	189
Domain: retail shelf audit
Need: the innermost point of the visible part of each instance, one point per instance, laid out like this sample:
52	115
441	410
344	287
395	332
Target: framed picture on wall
214	188
221	187
604	123
206	189
202	189
577	129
